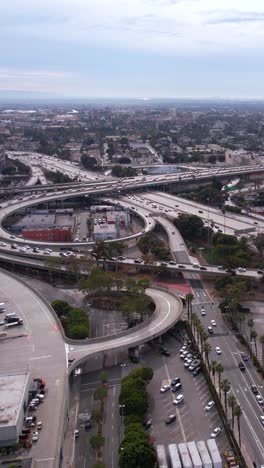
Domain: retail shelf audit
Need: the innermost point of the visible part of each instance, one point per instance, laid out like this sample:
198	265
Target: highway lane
169	310
229	222
40	350
251	429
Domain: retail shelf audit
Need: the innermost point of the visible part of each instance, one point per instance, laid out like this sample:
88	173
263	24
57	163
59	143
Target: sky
132	48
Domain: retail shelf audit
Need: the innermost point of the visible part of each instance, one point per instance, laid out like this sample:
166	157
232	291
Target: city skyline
151	49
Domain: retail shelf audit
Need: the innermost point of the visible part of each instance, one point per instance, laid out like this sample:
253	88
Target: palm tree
194	322
250	323
253	337
261	340
225	387
189	298
207	348
238	413
214	367
240	318
232	403
219	370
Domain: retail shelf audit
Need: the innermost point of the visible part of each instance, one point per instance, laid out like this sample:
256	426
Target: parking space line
177	411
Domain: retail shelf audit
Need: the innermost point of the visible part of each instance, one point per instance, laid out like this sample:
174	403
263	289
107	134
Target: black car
203	268
148	424
176	387
175	381
244	357
165	352
88	425
196	371
170	419
254	389
241	366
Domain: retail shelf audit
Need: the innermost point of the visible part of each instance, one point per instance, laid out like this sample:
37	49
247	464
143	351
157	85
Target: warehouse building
13	401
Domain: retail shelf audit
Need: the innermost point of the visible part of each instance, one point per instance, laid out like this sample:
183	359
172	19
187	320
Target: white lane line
177	411
40	357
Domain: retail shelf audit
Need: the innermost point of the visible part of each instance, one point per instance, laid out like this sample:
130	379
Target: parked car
175	381
215	432
164	388
196	371
210	405
170	419
179	399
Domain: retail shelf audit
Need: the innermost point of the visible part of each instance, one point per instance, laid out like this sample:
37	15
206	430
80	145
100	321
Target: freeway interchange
161	208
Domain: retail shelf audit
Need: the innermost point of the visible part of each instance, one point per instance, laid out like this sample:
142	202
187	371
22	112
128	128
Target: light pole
208	232
122	414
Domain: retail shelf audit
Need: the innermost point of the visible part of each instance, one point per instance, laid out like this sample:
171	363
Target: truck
204	454
194	454
161	456
185	457
214	453
175	461
19	321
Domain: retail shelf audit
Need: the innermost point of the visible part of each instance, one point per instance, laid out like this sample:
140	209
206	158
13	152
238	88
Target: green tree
97	441
259	243
253	337
238	414
137	454
232	404
100	393
225	387
60	307
145	373
103	376
214	365
189	298
207	348
261	340
219	370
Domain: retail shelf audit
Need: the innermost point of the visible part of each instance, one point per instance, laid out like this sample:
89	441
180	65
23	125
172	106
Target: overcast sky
132	48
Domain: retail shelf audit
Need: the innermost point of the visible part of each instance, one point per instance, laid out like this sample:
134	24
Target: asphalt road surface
251	428
36	347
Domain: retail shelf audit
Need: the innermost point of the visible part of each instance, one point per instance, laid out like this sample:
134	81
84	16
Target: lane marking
40	357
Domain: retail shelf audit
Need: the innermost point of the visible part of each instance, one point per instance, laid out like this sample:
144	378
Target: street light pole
208	233
122	414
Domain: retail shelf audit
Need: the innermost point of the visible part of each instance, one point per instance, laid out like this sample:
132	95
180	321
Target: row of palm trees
215	368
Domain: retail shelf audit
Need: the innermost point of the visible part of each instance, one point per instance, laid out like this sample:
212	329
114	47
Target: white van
7	316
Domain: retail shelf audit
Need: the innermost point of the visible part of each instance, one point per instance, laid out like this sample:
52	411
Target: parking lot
193	422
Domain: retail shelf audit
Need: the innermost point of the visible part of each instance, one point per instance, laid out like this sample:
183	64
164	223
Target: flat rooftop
12	390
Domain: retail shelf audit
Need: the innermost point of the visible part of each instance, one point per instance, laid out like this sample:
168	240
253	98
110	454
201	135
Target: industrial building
13	401
46	226
104	232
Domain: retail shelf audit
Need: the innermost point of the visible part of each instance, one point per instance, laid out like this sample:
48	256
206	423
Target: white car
76	433
215	432
213	322
261	418
210	405
39	425
259	399
164	388
218	350
179	399
35	436
188	363
203	313
241	270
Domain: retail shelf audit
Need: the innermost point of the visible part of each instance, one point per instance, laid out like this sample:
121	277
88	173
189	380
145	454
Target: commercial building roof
12	390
